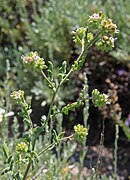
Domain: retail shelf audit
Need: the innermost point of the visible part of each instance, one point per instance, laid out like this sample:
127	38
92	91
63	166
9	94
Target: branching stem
83	52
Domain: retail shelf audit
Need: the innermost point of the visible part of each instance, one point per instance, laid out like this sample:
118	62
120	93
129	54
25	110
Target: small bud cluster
33	60
98	99
109	26
89	37
106	43
101	21
22	147
79	34
95	20
17	96
80	133
82	36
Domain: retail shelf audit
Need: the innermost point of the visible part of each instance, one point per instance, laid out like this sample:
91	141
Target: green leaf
9	159
4	171
50	71
61	135
71	107
27	137
54	135
37	130
19	176
5	150
126	130
27	121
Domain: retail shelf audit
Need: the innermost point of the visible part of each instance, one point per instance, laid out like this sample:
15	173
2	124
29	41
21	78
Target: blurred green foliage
46	26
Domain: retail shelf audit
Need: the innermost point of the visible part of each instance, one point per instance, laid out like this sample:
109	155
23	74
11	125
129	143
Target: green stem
85	119
48	147
54	143
116	149
55	92
27	170
49	82
94	40
50	108
34	142
89	45
64	79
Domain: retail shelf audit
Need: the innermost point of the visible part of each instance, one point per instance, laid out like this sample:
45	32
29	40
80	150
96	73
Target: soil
105	163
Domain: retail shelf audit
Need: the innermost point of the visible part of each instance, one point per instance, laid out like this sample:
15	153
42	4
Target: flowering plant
100	30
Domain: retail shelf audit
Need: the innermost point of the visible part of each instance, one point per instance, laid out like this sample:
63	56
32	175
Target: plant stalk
55	92
116	149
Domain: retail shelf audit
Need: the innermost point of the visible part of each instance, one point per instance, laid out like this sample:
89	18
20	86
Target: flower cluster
106	43
33	60
17	96
98	99
80	133
22	147
95	20
101	21
99	29
109	26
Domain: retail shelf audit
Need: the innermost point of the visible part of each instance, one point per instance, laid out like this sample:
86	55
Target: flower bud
17	96
98	99
22	147
79	34
80	133
106	43
33	60
109	26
